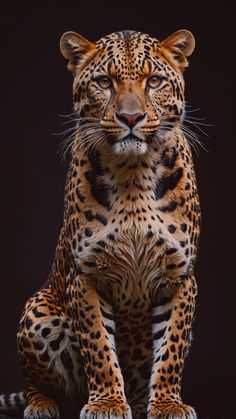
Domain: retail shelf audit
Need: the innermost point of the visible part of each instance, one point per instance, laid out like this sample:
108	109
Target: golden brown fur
111	327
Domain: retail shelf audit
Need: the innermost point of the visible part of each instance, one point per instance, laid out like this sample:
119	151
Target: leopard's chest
134	254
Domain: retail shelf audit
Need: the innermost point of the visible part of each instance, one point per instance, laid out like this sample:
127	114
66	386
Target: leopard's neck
105	176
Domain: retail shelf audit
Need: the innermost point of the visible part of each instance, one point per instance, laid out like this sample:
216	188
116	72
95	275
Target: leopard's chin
130	145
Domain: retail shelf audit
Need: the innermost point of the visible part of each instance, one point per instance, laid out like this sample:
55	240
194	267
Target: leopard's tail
14	402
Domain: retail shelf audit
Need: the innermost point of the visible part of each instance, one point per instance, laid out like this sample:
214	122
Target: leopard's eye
155	82
104	82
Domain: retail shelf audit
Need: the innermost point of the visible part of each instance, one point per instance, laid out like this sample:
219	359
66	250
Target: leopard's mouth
129	138
130	145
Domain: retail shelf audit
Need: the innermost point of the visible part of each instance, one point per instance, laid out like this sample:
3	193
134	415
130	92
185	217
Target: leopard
111	327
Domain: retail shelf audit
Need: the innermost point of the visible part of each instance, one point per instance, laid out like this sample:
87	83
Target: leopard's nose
130	119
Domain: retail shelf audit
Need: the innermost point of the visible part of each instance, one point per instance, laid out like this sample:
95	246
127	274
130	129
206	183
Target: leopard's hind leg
50	354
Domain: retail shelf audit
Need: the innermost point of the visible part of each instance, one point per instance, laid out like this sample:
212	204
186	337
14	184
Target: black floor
76	417
21	417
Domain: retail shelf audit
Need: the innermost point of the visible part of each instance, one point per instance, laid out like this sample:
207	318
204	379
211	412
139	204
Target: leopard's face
128	89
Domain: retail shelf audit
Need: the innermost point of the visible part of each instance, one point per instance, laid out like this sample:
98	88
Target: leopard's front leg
171	325
105	382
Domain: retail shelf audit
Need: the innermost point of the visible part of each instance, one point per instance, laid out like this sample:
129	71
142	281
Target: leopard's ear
76	49
179	46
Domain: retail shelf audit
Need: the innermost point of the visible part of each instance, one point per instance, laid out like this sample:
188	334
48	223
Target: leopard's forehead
129	51
128	39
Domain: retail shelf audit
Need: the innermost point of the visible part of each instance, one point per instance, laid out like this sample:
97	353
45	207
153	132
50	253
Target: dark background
36	88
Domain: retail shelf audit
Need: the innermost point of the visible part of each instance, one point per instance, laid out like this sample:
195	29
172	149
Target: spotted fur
112	325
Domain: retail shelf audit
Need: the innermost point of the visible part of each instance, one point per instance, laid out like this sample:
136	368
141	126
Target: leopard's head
128	88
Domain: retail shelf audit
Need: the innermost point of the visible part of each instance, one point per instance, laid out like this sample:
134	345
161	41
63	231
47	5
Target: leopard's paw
42	409
171	411
106	409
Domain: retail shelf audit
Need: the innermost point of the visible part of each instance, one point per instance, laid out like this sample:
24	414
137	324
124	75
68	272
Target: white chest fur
135	254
